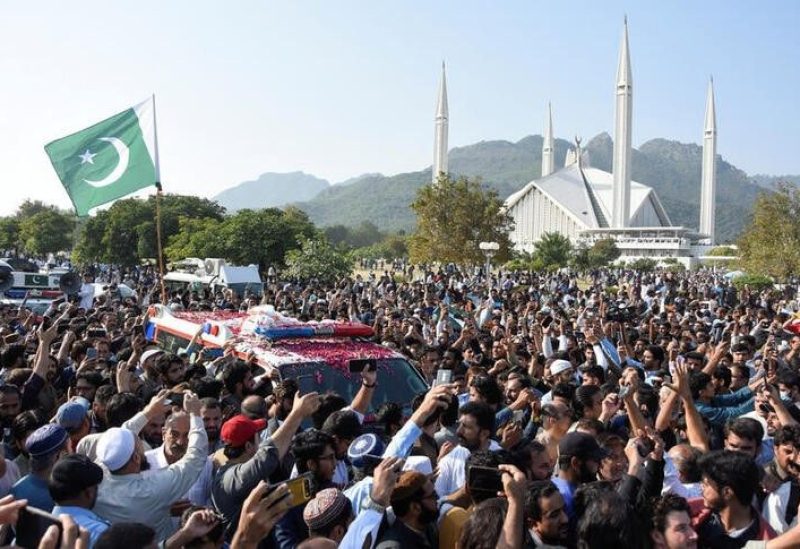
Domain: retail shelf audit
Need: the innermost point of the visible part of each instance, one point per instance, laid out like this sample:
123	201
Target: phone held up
32	525
443	377
487	481
301	489
359	365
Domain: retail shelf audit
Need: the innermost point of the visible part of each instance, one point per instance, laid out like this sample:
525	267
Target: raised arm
363	398
695	428
302	408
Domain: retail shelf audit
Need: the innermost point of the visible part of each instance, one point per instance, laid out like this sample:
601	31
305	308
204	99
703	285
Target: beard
586	474
428	516
177	450
469	445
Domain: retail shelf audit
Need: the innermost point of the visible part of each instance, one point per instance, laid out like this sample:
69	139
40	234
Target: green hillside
672	168
271	190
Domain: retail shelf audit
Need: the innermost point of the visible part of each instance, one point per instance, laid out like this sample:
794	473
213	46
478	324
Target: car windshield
398	381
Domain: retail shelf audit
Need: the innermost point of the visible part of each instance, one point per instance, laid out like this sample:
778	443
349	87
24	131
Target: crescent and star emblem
119	169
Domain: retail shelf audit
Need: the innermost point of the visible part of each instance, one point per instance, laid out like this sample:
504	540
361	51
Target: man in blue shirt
579	457
73	486
45	446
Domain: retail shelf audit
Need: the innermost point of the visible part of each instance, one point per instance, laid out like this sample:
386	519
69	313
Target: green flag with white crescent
108	160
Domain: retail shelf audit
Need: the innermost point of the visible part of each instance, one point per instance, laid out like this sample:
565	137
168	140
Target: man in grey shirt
130	493
244	461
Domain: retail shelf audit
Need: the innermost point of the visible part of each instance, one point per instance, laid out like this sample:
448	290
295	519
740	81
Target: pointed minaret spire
440	133
548	160
708	185
620	214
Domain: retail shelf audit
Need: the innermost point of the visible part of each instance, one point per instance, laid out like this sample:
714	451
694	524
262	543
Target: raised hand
306	404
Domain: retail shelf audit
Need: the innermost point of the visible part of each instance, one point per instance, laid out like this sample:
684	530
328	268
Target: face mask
786	395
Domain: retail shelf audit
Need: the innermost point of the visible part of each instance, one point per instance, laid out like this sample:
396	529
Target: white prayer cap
420	464
559	366
116	448
149	353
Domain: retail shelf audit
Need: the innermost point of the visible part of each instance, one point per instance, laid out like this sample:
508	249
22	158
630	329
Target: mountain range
671	168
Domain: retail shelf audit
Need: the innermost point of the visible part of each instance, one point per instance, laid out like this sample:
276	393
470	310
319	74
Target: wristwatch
375	506
368	386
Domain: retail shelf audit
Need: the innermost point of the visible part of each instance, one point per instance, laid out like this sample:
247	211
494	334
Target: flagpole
158	208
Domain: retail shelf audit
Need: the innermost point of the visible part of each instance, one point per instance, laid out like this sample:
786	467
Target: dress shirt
84	518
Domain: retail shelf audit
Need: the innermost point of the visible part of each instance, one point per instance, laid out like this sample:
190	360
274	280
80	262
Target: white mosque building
586	204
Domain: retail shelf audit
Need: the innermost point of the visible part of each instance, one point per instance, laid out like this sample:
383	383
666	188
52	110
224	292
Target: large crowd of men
619	409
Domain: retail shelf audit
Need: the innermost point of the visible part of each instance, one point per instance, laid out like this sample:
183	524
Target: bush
643	264
756	283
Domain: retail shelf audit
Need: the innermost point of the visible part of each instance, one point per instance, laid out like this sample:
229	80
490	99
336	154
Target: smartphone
485	480
443	377
96	332
548	320
359	365
645	446
91	352
301	489
32	525
306	384
624	390
63	326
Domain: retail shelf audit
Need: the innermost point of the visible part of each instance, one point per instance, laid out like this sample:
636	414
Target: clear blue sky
340	88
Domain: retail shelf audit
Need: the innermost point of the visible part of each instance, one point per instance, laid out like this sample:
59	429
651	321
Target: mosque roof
587	194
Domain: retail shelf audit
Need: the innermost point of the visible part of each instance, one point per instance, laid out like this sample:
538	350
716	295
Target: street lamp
489	249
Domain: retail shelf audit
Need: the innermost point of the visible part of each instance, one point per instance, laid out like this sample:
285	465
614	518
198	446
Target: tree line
453	217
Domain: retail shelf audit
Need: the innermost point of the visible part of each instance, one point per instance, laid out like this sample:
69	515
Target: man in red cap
244	461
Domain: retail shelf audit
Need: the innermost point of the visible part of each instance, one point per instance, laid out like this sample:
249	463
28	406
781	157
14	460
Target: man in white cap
151	381
561	371
129	495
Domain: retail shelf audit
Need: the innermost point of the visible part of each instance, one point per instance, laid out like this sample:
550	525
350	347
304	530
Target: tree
552	252
643	264
125	233
29	208
47	231
318	259
9	234
264	236
723	251
603	252
770	245
196	238
453	217
90	248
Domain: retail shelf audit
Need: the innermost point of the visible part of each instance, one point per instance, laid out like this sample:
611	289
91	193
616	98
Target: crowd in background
618	409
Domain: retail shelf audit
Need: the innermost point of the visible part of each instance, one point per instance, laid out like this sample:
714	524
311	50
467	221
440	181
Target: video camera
620	312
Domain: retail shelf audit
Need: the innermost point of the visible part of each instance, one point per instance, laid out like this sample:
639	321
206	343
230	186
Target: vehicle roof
336	351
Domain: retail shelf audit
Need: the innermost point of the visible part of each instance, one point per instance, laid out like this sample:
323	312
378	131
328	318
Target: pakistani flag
109	160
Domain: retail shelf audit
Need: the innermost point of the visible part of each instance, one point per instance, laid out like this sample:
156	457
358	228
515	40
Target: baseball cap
77	472
581	445
240	429
72	414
